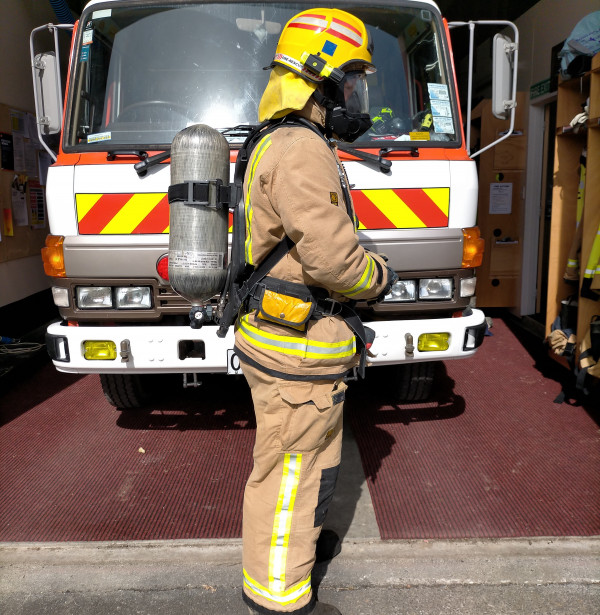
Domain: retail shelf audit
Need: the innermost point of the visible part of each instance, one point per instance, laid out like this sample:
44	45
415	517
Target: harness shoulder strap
241	279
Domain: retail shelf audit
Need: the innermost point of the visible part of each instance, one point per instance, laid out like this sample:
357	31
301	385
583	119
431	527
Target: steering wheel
182	109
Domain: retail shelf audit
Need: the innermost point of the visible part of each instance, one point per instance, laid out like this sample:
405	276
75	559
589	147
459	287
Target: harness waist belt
324	305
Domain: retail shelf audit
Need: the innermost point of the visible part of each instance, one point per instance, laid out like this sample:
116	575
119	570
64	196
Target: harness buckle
327	306
257	290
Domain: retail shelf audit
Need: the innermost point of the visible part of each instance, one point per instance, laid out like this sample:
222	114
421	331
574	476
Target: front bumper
181	349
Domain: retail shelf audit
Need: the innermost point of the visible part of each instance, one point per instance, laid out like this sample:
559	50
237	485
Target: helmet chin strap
338	120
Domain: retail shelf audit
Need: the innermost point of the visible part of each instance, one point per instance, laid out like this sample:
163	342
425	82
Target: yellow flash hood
285	92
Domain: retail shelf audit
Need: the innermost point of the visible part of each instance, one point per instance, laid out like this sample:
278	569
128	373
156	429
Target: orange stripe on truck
148	213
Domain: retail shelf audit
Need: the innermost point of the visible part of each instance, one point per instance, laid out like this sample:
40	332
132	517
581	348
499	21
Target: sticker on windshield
88	37
438	91
441	107
441	111
101	14
99	136
443	124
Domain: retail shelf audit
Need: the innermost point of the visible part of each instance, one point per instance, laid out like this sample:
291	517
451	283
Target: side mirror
502	77
48	98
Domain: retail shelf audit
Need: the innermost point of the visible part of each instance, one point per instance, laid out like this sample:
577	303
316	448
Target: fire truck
139	72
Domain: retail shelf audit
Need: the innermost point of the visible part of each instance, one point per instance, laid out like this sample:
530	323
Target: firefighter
295	340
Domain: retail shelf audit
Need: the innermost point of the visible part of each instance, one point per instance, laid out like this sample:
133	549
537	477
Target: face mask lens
356	93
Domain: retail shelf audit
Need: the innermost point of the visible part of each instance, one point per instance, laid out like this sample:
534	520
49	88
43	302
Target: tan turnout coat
292	187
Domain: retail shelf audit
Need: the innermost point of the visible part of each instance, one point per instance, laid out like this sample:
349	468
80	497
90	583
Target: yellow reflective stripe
440	197
132	213
365	280
84	203
394	208
297	346
593	265
261	148
293	594
283	521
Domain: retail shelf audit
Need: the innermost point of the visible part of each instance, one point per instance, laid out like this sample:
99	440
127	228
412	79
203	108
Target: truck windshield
144	71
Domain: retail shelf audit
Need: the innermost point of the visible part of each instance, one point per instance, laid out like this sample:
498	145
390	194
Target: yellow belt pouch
285	310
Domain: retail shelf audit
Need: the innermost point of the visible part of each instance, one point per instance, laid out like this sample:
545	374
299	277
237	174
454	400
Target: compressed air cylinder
198	234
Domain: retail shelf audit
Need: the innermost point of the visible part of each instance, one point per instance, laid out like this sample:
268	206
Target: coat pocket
313	413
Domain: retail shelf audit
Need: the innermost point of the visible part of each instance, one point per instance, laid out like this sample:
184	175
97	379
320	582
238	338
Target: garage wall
21	277
543	26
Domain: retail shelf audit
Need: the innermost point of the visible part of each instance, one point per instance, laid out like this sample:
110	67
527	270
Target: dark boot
328	546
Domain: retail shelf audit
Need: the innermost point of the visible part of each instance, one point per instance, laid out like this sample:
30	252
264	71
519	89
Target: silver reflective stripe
291	595
283	520
296	345
365	281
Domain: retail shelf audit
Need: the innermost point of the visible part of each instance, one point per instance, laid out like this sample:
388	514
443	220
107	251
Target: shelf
569	131
581	83
573	94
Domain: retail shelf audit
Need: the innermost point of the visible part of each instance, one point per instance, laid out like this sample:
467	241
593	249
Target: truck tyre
126	391
415	380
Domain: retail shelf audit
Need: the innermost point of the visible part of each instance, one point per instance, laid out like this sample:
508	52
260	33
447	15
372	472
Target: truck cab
140	72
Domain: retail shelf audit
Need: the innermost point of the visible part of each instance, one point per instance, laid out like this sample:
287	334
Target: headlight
60	296
94	297
435	288
134	297
467	287
402	290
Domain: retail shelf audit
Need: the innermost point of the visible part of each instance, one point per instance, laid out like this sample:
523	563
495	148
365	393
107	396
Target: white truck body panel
155	349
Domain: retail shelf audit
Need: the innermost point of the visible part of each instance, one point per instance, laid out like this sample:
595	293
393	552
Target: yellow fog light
431	342
96	350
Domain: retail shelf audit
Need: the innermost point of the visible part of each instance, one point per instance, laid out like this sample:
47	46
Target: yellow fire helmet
319	44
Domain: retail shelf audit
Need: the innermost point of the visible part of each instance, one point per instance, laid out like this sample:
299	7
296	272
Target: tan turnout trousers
296	462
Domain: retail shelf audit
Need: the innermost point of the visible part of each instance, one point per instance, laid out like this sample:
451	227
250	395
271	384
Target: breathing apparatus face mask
348	117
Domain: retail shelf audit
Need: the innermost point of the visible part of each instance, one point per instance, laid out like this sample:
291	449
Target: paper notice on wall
19	208
19	152
37	205
501	198
31	160
32	130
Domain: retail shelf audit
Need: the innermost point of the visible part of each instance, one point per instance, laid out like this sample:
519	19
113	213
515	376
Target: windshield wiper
378	162
112	154
146	163
143	166
413	149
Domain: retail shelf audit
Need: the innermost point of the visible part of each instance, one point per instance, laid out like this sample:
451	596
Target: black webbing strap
239	295
207	193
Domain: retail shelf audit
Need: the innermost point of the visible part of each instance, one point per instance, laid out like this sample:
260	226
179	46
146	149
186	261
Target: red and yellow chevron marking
147	213
402	208
122	214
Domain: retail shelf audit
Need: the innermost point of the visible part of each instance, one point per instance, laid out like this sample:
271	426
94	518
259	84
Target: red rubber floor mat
74	468
490	456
